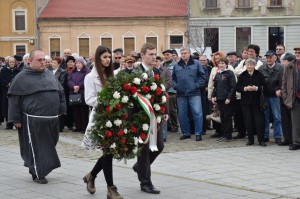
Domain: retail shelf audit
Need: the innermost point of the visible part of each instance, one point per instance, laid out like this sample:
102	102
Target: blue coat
188	80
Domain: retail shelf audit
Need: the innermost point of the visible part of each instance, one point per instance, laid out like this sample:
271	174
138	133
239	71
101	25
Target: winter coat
188	80
224	85
245	79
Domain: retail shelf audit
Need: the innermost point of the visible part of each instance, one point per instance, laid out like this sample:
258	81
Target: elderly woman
48	62
76	86
251	84
6	76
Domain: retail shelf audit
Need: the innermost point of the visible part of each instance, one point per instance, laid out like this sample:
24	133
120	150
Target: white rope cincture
29	136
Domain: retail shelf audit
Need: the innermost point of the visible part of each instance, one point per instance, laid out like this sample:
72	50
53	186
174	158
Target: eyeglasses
279	49
118	57
40	60
297	52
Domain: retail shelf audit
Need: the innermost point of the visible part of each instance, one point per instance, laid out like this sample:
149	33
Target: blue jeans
194	103
274	104
164	129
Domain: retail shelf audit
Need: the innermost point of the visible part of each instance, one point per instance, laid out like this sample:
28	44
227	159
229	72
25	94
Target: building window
55	47
243	38
129	45
19	20
20	50
211	38
84	47
176	41
276	3
211	3
107	42
243	3
276	36
152	40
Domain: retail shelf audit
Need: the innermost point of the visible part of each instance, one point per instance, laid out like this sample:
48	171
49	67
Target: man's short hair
255	47
250	61
281	46
147	46
32	53
185	48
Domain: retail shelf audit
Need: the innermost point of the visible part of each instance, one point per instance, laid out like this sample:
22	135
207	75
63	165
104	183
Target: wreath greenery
114	131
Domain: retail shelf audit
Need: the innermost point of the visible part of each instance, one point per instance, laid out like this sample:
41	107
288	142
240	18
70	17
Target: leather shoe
262	144
198	138
41	180
249	143
149	188
284	143
278	141
185	137
294	147
174	130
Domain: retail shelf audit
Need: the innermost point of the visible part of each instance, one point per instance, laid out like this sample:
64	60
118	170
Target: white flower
125	131
144	76
163	99
116	95
137	81
118	122
113	146
145	127
124	99
108	124
131	105
163	88
153	87
158	119
156	107
148	96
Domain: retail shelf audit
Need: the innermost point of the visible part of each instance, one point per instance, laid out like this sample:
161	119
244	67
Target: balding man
67	52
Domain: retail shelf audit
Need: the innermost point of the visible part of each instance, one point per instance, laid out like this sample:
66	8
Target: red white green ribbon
152	132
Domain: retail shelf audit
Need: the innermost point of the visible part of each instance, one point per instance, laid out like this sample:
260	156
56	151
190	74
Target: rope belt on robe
29	135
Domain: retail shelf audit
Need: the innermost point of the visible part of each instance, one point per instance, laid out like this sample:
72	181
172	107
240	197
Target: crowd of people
233	90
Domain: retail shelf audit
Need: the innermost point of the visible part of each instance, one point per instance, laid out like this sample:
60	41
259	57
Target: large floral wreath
139	95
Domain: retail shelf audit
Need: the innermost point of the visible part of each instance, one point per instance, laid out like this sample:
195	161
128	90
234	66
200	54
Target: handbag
263	101
75	99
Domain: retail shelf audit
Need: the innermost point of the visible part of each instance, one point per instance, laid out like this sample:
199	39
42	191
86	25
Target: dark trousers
173	120
254	121
226	118
286	122
239	118
69	120
204	110
146	158
105	163
81	116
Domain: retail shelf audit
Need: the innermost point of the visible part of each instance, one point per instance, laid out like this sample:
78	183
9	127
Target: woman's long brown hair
101	70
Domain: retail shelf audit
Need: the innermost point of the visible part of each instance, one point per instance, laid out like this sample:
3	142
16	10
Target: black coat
257	79
62	77
224	85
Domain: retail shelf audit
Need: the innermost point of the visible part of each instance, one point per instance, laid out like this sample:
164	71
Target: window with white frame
107	42
129	43
275	2
243	38
19	20
176	41
276	37
243	3
55	47
211	4
20	49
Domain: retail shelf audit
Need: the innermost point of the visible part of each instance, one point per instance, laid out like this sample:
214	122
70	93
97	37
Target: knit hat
80	59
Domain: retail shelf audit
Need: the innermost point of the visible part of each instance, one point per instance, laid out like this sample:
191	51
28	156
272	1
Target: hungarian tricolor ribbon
152	132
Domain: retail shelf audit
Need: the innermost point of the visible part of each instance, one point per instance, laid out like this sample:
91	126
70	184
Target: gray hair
185	48
48	58
26	56
250	61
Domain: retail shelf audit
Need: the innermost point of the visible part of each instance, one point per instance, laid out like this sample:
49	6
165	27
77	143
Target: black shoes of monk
198	138
185	137
149	188
41	180
294	147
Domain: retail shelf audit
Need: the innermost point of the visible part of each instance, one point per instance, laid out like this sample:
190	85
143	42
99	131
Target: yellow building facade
17	33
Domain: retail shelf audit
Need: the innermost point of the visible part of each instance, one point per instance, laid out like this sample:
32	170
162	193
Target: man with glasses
36	99
291	95
280	52
118	54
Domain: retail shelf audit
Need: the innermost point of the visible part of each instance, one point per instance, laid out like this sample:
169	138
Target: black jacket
273	80
62	77
224	85
257	79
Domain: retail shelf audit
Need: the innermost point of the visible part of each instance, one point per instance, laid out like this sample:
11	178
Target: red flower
145	89
151	100
158	92
162	109
118	106
133	130
125	149
120	133
123	140
156	77
126	87
143	136
108	134
125	117
107	109
167	96
133	90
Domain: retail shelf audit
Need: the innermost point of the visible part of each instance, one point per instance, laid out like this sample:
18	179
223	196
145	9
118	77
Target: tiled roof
114	8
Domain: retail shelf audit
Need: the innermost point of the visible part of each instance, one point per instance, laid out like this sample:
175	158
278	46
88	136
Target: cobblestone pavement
186	169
